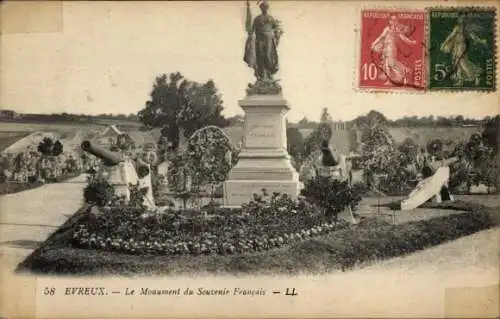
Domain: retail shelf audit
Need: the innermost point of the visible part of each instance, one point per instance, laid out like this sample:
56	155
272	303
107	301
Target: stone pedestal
264	161
123	174
119	176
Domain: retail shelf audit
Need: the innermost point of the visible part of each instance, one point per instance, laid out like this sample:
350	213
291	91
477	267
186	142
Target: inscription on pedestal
262	132
264	162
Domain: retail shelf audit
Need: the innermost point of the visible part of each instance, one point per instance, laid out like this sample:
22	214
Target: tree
371	119
57	148
235	120
383	164
132	116
443	121
322	133
295	144
409	149
491	132
180	106
375	138
304	120
484	161
45	146
459	120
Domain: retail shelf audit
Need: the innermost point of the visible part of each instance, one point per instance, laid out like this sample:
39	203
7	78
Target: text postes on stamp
392	50
462	48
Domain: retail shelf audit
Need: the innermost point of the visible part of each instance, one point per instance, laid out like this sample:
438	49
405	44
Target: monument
264	162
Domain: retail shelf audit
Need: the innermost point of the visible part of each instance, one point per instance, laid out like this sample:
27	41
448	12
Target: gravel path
29	217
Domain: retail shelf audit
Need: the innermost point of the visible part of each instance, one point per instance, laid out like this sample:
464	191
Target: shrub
331	195
57	149
435	147
47	147
137	196
98	192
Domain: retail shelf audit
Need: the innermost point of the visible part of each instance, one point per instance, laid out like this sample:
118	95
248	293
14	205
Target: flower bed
257	226
343	249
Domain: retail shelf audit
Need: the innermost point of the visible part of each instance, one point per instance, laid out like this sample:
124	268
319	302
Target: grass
71	135
372	240
51	127
457	204
8	138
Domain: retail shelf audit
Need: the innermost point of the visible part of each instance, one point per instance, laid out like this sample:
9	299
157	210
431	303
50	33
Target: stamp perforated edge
495	49
356	73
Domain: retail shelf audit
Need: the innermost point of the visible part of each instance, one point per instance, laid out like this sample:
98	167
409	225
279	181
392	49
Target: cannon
331	164
108	157
328	156
121	171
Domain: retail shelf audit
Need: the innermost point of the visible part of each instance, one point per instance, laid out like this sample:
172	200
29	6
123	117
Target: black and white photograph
195	159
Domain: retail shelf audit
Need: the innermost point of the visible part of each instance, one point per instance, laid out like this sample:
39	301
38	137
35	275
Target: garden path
27	218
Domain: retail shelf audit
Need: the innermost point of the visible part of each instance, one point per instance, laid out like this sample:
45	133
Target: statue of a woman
387	44
457	44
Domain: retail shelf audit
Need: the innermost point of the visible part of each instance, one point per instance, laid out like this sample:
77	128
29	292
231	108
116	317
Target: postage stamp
392	50
462	48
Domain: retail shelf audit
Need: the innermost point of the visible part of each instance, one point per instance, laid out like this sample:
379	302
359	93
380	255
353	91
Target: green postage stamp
462	48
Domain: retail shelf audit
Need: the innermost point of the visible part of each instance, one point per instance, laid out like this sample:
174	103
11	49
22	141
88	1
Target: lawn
8	138
370	241
71	135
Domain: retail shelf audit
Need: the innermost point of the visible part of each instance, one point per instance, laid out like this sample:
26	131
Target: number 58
441	71
49	291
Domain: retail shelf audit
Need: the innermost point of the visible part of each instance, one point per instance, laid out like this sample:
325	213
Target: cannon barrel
430	168
108	157
329	158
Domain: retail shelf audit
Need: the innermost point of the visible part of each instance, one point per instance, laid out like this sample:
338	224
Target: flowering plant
258	225
206	161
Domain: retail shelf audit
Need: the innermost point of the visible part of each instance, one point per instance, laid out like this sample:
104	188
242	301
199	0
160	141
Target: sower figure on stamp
462	36
261	52
387	45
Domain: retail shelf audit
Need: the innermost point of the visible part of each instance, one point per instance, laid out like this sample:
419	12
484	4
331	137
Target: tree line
69	117
406	121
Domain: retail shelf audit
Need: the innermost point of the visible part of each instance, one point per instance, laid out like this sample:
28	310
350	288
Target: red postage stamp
392	50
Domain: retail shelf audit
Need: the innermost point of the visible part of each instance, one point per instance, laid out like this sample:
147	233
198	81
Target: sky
102	57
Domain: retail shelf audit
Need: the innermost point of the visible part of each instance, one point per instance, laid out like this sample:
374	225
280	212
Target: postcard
250	159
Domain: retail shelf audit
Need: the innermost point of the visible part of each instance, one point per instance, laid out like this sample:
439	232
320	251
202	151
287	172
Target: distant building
345	137
109	136
8	114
